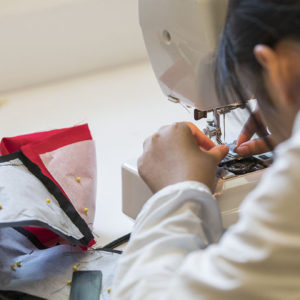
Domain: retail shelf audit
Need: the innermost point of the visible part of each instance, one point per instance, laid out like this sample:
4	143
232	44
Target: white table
122	106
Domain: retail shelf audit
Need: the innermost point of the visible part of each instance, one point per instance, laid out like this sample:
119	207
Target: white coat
178	249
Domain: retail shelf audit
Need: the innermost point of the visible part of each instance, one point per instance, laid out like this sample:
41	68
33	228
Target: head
259	56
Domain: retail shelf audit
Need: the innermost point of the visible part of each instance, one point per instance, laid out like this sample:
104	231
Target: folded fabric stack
48	186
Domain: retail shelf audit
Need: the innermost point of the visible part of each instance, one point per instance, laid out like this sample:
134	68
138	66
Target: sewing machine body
230	190
181	38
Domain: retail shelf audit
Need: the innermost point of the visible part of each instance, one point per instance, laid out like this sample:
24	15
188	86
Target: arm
170	226
172	254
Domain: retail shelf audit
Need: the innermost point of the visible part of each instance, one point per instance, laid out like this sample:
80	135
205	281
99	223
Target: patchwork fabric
45	273
73	166
27	197
50	181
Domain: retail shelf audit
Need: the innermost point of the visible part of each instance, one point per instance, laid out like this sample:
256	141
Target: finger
147	143
253	147
250	128
244	137
162	128
219	152
140	164
247	132
203	141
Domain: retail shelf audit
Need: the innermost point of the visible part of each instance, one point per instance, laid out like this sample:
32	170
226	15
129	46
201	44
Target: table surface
123	107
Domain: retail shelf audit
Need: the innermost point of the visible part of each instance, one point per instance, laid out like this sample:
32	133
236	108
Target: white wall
48	40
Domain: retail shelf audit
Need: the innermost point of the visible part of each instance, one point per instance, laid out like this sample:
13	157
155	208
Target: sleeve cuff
173	189
165	202
184	185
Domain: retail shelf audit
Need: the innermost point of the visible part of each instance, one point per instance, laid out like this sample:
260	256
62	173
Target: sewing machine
181	38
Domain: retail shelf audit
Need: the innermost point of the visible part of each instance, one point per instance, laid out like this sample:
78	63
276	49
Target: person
178	248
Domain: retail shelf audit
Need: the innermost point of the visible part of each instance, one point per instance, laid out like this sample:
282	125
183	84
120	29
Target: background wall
48	40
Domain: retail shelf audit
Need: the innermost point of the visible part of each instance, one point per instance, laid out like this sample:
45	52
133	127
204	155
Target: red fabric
47	237
32	145
14	144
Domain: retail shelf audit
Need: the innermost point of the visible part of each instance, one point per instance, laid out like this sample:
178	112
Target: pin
12	267
74	268
85	209
0	206
69	282
108	290
48	200
78	179
18	263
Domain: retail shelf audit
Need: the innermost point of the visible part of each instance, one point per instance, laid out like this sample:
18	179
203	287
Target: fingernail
243	151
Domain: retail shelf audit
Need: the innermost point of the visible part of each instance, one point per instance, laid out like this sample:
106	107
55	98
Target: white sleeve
175	251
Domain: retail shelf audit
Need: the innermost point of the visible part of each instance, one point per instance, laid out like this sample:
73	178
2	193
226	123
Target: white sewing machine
181	38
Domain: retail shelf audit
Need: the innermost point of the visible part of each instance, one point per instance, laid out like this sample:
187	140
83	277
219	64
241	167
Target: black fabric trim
118	242
63	202
33	239
109	250
38	223
13	295
9	157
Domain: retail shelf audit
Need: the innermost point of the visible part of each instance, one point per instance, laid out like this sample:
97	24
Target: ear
266	57
271	62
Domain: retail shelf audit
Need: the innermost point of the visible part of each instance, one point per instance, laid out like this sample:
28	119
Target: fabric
60	156
35	144
45	273
69	162
178	249
30	198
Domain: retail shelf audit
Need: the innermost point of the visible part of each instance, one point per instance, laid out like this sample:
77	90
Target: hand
247	147
179	152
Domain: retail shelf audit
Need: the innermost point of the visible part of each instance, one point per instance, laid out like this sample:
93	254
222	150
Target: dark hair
249	23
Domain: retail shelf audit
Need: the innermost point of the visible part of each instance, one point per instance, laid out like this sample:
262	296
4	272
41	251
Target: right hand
247	147
177	153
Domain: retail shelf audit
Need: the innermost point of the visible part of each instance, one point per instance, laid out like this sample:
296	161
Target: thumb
256	146
219	152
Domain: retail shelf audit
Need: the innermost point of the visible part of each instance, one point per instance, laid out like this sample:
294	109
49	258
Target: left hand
247	146
179	152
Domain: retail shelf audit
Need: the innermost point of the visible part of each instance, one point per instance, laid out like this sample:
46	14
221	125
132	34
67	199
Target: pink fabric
36	144
68	163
